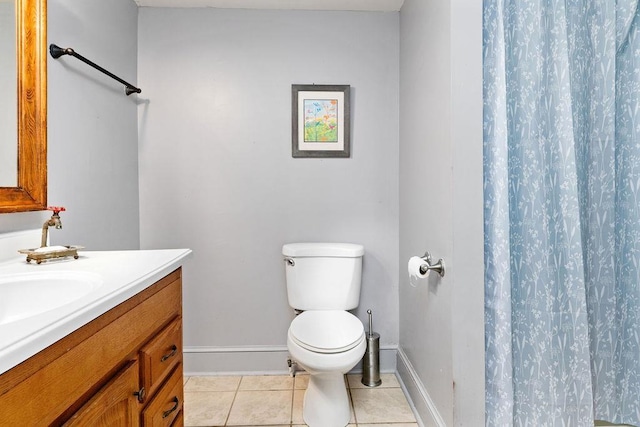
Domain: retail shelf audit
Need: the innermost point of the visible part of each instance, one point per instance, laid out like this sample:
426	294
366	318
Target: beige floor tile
213	383
296	412
381	405
389	425
207	408
353	412
301	381
261	408
278	399
266	382
388	380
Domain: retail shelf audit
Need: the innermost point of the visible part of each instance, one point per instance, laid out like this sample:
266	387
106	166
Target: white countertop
124	274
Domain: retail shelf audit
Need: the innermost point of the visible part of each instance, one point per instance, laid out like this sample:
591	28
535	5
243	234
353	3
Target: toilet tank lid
348	250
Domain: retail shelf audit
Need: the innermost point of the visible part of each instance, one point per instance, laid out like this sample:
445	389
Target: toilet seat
326	331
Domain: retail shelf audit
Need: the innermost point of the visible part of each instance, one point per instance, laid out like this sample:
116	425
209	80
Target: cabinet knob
140	393
176	403
174	349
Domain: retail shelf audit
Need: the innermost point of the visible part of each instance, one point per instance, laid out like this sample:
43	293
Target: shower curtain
562	211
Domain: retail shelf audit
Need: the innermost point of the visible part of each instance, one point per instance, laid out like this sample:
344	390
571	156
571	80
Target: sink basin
28	294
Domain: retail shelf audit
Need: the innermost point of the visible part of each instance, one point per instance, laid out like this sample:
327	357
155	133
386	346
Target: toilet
323	282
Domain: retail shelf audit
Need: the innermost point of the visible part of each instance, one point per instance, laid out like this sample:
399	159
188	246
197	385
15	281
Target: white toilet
323	281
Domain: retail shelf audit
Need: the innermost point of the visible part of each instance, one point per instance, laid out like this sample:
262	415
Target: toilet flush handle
289	261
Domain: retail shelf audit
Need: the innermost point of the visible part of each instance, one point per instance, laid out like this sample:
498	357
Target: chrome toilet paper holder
427	266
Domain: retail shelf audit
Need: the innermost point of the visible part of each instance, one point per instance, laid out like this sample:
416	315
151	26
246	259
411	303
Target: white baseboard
258	360
415	390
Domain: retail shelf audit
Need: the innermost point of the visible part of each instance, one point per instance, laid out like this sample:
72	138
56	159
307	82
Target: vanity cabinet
124	368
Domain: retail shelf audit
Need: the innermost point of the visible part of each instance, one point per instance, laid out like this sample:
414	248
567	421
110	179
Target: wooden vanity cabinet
124	368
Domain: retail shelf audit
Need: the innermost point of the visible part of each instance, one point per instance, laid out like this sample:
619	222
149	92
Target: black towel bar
57	52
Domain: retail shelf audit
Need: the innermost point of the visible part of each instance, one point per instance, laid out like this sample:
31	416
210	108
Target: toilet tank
323	276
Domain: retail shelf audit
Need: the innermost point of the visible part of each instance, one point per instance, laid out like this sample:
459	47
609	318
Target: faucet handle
56	209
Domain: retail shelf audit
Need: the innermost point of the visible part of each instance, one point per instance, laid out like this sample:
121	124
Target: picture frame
320	121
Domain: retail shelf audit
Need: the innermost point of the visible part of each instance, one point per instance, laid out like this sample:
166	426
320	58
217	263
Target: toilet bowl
327	344
323	282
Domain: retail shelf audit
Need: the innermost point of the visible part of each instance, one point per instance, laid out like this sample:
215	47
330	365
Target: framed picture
320	120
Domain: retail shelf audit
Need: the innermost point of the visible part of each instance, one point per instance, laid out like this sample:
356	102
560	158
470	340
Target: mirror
8	104
28	191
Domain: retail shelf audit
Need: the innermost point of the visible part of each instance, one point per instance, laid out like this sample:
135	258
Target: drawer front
167	404
160	355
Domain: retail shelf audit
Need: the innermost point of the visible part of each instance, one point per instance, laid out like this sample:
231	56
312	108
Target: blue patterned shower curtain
562	211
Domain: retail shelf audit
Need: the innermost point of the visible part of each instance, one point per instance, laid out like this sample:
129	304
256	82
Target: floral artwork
321	120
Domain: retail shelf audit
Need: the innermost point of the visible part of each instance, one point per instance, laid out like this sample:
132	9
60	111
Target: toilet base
326	403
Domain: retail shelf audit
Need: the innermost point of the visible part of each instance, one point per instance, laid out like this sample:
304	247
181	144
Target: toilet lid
326	331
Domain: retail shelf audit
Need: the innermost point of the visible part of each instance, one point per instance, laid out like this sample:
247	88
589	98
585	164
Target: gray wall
93	157
92	141
216	172
441	320
467	313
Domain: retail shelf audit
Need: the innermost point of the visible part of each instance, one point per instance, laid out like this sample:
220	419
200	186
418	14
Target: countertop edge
35	342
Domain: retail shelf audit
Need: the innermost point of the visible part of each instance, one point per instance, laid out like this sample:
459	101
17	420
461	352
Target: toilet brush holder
371	359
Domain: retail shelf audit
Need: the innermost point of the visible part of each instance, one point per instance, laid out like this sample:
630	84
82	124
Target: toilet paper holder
427	266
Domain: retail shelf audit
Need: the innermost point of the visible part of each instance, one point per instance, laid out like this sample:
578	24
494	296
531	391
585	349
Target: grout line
353	408
226	420
293	394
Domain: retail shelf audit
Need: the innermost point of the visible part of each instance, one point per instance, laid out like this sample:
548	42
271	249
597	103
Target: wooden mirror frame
31	192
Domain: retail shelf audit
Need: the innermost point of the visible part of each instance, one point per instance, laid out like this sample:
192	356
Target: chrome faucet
54	221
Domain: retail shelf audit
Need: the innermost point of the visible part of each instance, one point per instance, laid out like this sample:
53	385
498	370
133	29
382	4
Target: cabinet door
115	405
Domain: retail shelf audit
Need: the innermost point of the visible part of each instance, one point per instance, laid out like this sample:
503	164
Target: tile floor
277	401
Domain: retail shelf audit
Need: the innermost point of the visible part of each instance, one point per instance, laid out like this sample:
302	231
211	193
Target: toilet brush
371	359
